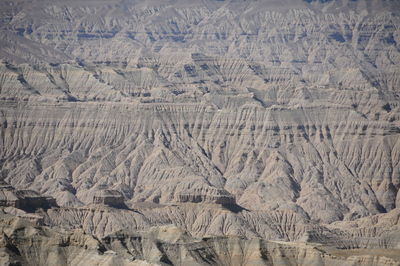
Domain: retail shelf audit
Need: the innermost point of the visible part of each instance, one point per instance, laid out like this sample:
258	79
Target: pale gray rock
270	119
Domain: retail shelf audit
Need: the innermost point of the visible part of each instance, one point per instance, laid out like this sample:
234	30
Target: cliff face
23	243
271	119
27	200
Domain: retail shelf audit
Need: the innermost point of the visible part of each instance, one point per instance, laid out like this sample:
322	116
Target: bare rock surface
277	120
27	200
24	243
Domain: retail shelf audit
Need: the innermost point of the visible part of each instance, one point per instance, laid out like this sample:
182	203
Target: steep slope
266	158
270	119
24	243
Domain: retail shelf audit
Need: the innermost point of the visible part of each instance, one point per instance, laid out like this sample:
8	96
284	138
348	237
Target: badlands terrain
208	132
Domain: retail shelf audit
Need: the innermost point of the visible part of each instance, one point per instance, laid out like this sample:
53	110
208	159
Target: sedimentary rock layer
24	243
261	119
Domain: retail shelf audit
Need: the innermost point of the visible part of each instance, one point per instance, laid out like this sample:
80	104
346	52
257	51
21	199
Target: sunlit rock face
24	243
271	119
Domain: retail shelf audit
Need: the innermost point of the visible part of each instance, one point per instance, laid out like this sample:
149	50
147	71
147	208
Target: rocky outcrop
27	200
200	196
25	243
110	198
8	196
199	220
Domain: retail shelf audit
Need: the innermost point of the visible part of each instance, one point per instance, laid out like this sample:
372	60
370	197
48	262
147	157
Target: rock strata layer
273	120
27	200
24	243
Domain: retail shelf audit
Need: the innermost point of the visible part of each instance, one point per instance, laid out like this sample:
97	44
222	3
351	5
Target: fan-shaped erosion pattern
200	132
